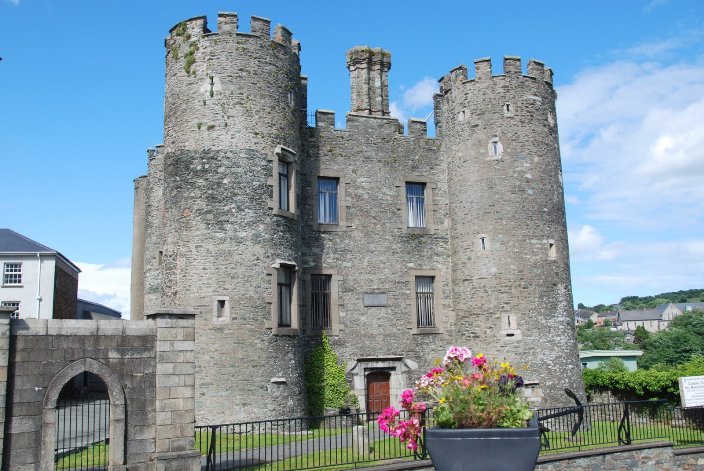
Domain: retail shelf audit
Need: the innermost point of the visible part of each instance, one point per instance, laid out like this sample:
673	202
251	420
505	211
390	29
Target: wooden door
378	391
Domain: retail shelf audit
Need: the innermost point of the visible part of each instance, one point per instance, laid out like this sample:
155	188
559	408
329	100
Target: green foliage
614	364
641	336
174	52
660	383
326	383
600	338
608	323
190	57
676	344
181	29
648	302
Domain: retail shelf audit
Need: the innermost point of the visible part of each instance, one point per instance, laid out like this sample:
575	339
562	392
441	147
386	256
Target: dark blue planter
482	449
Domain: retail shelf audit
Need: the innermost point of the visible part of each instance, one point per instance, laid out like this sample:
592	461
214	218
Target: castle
396	245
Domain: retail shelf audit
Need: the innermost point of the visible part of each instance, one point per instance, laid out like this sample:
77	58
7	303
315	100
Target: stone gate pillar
4	357
175	391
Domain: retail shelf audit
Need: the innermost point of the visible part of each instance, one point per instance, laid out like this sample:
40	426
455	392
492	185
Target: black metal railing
298	443
82	434
614	424
351	439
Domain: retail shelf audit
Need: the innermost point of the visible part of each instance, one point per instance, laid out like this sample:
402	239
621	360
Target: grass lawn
225	442
93	456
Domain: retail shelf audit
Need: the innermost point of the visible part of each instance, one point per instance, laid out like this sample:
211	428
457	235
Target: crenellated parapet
208	73
512	68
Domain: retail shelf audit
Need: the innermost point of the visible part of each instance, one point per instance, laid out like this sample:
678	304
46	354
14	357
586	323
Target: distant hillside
647	302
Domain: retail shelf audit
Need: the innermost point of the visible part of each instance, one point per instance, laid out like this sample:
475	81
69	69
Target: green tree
599	338
641	336
676	344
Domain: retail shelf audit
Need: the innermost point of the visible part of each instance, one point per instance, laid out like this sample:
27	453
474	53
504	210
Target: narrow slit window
160	257
327	201
283	186
415	204
220	308
482	243
552	250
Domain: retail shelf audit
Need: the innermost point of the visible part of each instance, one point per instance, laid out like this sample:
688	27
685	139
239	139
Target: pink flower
456	354
434	372
479	360
387	419
407	398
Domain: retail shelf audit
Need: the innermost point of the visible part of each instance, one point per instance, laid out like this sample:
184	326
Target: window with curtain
327	200
425	301
415	204
320	309
283	186
285	284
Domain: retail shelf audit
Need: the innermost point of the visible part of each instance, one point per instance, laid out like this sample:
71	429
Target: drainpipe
39	284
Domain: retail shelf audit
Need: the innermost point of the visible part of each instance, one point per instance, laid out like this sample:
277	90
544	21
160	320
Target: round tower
510	263
229	224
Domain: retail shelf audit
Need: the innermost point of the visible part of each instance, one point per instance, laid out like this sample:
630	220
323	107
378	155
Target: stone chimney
369	80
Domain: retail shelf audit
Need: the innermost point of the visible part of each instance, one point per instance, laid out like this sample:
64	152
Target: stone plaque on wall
375	299
692	391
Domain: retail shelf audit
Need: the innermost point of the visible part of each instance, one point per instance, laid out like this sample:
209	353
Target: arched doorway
82	424
69	382
378	387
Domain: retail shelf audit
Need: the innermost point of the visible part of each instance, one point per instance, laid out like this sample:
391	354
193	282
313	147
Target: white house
39	281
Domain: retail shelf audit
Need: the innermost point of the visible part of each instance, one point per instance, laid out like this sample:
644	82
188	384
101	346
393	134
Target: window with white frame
327	200
283	186
415	204
12	274
15	304
320	302
284	281
425	301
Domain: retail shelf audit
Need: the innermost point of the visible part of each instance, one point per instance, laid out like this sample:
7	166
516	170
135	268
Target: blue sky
81	99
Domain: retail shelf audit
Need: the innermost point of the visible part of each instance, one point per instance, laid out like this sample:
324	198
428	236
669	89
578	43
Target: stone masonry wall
510	260
214	238
373	250
212	231
151	415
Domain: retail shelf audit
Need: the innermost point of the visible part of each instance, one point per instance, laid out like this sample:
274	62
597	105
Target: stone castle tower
396	245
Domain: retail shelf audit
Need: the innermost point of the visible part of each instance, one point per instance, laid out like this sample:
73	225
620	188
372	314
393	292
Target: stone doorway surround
396	366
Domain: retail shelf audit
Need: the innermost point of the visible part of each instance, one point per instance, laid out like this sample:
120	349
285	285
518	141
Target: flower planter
493	449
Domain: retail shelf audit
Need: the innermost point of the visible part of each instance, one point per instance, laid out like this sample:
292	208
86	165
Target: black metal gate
82	434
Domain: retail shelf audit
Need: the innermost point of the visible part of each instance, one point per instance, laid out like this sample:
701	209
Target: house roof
640	315
694	306
607	314
583	313
12	242
610	353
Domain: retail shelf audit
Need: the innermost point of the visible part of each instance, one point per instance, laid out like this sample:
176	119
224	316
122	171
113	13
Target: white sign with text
692	391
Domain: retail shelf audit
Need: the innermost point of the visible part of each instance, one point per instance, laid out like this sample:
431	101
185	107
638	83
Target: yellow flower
505	365
442	400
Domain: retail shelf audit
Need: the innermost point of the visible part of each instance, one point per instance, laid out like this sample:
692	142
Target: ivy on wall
326	383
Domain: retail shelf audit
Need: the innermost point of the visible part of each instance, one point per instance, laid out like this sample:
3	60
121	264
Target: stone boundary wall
148	368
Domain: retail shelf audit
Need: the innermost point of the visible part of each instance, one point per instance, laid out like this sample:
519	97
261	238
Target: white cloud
397	112
14	2
632	138
421	94
106	284
588	244
417	98
642	268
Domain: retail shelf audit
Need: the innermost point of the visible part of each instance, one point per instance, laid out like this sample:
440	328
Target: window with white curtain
285	285
425	301
12	274
327	200
415	204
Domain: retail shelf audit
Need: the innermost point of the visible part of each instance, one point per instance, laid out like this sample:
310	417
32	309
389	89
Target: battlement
512	67
228	24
